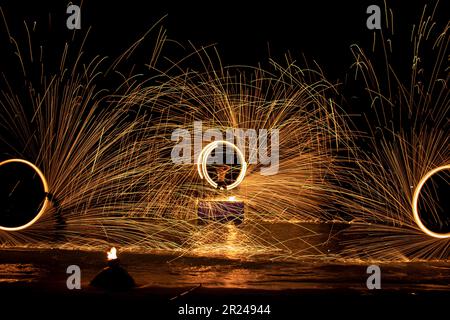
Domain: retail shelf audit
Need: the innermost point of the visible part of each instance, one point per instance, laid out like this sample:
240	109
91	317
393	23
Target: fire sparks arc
415	201
202	162
45	185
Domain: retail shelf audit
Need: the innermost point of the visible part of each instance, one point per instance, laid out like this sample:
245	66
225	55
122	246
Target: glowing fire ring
202	161
44	183
415	204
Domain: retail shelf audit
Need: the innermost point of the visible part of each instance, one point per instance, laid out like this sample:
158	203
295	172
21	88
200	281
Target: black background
245	33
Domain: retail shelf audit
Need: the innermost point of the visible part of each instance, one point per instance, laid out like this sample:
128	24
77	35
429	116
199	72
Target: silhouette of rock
114	278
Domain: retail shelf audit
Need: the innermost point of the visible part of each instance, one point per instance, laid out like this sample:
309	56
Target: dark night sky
245	33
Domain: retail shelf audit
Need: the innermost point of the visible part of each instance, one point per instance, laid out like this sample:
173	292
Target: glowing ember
232	198
112	254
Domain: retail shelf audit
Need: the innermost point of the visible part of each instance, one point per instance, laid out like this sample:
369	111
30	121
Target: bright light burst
112	254
203	159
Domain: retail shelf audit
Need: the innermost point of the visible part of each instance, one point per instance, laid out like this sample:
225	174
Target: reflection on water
277	275
17	272
227	241
270	256
312	276
273	241
48	267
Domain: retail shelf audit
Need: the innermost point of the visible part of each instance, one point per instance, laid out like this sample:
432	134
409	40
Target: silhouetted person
60	222
221	175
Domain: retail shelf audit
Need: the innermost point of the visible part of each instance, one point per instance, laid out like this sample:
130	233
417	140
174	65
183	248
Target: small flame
112	254
232	198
